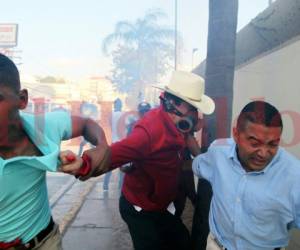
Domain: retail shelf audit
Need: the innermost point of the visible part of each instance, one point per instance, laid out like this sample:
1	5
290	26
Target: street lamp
193	52
175	37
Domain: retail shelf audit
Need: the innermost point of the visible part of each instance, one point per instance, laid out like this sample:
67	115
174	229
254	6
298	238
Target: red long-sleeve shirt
156	149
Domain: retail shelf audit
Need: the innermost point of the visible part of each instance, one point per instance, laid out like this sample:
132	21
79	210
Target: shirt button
238	200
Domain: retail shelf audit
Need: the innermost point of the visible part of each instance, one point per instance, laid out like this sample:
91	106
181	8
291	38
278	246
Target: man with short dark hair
255	184
156	147
27	150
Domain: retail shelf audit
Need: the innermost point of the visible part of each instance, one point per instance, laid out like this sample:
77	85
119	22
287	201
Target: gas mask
186	123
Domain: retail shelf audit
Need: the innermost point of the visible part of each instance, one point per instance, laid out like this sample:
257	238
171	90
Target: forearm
94	159
100	155
193	145
101	161
93	133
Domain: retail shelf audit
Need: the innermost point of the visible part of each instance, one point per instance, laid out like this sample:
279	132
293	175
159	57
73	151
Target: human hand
192	144
199	125
96	155
100	159
70	162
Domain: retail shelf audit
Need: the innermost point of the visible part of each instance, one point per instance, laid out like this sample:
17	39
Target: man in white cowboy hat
155	147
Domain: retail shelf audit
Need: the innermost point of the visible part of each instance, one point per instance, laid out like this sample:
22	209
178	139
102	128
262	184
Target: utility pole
175	37
193	52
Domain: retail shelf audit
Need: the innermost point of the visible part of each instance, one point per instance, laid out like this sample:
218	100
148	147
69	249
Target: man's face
188	111
10	103
257	145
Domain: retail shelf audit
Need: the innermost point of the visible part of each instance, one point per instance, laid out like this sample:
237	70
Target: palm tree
220	65
219	74
150	44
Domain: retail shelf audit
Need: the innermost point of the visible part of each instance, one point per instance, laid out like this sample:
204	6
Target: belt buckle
27	245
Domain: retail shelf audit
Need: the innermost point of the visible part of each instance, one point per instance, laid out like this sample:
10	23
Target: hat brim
206	105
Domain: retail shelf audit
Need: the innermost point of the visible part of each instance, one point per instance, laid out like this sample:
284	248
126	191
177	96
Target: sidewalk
98	224
89	217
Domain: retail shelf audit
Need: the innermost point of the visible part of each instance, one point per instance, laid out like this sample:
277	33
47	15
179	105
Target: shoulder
290	162
151	122
218	150
58	125
27	117
57	115
223	146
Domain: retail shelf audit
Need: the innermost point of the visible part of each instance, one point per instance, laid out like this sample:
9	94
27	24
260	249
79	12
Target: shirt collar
50	151
233	155
232	151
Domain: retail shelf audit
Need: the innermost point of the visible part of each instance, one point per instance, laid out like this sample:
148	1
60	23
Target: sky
64	38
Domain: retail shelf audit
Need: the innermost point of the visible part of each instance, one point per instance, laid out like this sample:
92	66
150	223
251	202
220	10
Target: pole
193	52
175	38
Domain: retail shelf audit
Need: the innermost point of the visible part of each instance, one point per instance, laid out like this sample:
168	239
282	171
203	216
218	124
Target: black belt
41	235
277	248
223	248
35	240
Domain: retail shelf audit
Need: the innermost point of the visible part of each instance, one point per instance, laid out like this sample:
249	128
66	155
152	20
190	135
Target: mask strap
169	106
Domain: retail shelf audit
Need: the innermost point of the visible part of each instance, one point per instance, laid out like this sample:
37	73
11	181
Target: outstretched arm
92	133
89	129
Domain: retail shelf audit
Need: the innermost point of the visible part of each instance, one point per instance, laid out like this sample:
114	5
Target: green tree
124	75
142	51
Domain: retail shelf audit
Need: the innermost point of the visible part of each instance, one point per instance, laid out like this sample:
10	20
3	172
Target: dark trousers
186	190
154	230
200	229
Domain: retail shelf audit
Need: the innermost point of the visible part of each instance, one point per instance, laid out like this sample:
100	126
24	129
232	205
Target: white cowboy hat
190	88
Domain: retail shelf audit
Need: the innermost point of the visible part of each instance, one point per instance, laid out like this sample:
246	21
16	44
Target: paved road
55	181
88	216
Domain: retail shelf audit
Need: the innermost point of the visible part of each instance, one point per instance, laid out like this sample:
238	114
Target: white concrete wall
274	77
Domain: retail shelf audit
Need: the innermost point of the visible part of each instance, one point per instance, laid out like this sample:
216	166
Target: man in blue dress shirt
30	146
255	184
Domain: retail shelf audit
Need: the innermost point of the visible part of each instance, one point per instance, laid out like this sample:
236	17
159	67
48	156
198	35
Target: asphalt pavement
87	215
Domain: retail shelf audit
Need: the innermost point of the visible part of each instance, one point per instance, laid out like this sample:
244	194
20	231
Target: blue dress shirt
250	210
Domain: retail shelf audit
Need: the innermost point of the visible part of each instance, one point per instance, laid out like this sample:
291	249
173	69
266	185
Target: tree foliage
141	51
